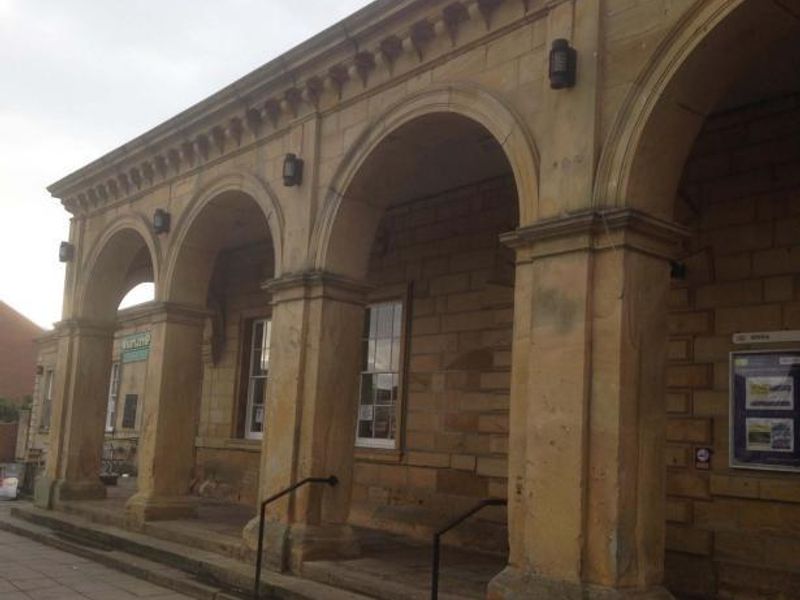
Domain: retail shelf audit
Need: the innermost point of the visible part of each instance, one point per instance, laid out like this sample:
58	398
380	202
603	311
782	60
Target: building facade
17	354
400	256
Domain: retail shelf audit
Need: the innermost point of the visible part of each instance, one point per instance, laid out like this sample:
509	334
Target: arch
713	44
105	269
470	101
239	182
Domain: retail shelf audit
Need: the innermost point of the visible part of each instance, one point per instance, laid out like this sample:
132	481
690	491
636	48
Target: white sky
80	77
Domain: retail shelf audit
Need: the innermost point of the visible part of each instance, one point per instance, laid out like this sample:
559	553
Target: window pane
259	389
398	320
265	347
396	354
367	389
384	428
383	354
385	318
373	321
365	429
384	391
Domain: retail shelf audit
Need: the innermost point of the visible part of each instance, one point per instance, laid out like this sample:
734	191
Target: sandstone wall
741	193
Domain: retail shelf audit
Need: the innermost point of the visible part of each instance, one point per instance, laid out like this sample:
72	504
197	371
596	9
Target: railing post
332	481
437	536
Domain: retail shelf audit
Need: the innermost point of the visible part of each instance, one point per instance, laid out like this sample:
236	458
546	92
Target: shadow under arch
468	101
125	255
714	44
241	185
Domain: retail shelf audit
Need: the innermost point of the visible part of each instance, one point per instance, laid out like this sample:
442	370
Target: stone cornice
317	73
599	230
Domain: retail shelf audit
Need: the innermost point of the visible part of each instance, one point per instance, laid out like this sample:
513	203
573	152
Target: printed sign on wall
764	410
136	347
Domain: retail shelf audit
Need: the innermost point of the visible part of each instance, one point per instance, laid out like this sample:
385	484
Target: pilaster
310	420
586	487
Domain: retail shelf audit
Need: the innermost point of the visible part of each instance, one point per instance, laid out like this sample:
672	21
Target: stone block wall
731	528
454	437
227	465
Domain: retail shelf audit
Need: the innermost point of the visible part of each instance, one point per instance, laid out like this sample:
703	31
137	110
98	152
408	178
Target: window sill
243	445
378	455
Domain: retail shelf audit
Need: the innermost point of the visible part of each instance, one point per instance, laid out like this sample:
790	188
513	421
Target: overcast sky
80	77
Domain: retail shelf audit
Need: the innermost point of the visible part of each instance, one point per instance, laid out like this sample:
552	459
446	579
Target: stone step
340	575
224	545
199	573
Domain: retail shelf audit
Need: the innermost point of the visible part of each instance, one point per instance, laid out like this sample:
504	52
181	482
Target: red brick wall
17	354
732	529
456	411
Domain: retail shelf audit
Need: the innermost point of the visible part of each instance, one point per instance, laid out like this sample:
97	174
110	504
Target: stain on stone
552	307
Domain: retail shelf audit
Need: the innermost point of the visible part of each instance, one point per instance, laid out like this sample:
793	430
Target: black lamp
563	65
292	171
66	252
161	221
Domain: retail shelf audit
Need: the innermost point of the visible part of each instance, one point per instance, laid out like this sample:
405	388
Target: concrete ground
32	571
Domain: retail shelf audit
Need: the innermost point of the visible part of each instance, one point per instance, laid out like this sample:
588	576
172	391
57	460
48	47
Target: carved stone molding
596	230
188	140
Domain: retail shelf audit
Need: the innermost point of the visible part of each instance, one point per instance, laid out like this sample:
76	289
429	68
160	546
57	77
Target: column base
514	584
49	492
287	547
141	508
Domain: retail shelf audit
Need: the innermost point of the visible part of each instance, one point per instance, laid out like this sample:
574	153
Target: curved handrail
332	481
455	523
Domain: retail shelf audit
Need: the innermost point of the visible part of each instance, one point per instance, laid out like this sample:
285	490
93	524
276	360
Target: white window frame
47	400
113	396
396	368
251	377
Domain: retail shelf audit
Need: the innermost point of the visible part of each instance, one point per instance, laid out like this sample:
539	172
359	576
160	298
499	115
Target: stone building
399	254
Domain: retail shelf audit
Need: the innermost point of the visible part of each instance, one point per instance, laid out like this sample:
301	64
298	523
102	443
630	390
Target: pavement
32	571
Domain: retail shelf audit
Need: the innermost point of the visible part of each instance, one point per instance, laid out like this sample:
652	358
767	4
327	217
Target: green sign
136	347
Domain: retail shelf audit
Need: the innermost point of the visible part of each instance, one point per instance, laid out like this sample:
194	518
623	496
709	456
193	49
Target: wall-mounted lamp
563	65
292	171
677	270
66	252
161	221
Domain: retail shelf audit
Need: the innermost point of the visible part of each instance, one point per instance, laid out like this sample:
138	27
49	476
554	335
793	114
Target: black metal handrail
331	481
455	523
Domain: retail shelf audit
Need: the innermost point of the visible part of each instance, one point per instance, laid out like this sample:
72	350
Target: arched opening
86	407
719	153
419	222
140	294
223	254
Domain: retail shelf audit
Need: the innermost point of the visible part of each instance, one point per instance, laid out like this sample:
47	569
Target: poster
770	393
765	415
770	435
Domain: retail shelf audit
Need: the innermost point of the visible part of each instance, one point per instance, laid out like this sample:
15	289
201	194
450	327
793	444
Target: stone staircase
206	569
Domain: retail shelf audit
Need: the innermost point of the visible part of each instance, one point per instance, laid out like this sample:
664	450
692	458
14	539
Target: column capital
308	285
598	230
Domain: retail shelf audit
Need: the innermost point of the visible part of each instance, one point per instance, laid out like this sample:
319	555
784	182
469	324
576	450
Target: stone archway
122	257
715	42
470	102
426	162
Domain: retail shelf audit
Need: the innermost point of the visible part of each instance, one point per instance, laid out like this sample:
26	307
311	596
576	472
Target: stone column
77	424
586	481
169	425
311	417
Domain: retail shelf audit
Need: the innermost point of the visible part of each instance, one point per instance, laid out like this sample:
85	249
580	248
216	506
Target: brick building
17	354
476	284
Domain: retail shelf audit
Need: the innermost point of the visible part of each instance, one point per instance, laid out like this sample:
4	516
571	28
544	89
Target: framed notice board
765	410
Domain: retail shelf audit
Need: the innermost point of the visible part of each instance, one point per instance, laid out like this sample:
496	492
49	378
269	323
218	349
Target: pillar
77	424
169	424
586	480
311	417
